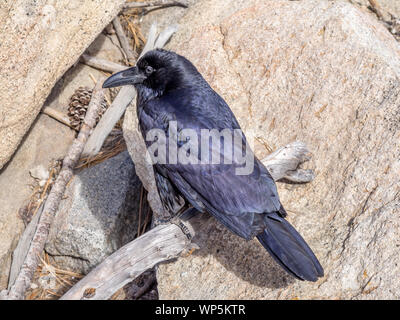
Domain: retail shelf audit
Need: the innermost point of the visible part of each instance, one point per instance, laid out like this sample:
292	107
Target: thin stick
165	242
101	64
57	115
161	4
31	262
123	40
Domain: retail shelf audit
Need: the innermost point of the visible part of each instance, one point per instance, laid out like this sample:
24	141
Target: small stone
39	172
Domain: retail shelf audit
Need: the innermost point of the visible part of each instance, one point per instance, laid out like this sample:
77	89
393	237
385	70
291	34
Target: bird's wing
238	201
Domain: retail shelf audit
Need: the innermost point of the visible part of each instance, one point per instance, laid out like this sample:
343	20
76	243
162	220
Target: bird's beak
129	76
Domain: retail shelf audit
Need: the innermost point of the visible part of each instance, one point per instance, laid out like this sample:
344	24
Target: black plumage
171	89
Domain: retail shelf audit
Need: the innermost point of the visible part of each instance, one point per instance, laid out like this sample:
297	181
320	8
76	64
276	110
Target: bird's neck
145	94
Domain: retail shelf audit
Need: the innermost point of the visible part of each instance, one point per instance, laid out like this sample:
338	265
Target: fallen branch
57	115
31	261
22	248
101	64
159	4
123	40
284	163
124	97
160	244
166	241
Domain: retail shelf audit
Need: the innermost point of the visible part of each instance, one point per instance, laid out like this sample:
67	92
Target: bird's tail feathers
289	249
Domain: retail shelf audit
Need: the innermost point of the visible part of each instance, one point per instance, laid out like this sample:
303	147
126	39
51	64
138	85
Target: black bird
171	89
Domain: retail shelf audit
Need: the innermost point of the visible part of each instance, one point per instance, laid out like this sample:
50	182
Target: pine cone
78	105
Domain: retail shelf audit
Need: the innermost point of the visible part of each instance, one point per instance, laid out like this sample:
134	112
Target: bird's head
159	70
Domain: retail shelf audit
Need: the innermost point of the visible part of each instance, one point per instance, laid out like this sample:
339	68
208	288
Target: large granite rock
327	74
98	215
40	40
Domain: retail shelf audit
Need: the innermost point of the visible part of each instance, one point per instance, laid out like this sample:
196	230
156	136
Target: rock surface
46	140
40	40
98	215
330	78
39	147
389	6
166	17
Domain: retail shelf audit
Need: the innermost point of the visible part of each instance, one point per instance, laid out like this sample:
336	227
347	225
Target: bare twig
57	115
101	64
160	4
123	40
167	241
31	262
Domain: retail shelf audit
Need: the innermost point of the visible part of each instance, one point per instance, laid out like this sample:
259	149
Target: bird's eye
149	69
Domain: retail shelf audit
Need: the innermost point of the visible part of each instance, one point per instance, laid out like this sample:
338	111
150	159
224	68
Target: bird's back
221	188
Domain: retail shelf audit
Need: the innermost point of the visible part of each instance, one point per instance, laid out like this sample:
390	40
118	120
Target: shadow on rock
247	259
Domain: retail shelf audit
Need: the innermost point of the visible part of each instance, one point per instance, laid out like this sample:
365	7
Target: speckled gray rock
98	215
328	74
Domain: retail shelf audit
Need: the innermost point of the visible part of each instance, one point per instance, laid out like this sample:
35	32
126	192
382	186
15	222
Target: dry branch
160	244
101	64
159	4
22	248
167	241
123	40
57	115
31	261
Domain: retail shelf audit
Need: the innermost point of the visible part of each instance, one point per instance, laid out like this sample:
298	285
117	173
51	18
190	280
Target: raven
170	89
